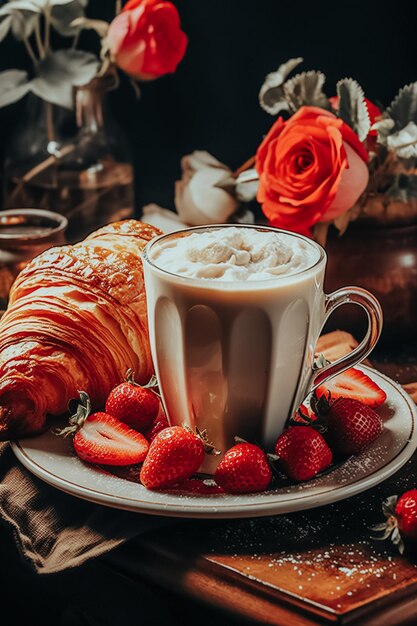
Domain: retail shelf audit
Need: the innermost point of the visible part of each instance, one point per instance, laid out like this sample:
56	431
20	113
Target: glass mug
237	358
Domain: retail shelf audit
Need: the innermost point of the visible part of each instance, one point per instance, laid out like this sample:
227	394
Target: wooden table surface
315	567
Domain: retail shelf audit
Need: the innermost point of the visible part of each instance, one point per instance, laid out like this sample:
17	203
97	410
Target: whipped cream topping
234	254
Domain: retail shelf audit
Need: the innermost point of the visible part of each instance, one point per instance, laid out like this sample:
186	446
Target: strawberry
106	440
351	426
159	424
304	415
134	404
354	384
103	439
243	469
401	521
302	452
175	454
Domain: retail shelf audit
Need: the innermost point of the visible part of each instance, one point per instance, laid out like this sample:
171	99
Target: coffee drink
234	316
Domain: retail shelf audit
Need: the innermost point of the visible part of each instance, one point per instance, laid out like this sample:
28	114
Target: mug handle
368	302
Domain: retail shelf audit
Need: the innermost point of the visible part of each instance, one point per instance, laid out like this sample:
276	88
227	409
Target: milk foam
234	254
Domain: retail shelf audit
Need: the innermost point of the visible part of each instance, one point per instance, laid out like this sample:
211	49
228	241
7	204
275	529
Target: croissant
76	321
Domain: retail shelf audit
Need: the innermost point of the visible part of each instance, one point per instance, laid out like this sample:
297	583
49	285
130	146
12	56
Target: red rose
146	40
311	168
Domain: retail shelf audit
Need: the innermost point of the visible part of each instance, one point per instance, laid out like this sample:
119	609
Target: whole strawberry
401	524
159	424
351	426
134	404
175	454
302	452
243	469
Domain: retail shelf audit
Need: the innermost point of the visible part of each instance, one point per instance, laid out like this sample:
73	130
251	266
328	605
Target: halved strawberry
102	438
106	440
356	385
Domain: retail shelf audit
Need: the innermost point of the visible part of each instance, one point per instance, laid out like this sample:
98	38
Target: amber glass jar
25	233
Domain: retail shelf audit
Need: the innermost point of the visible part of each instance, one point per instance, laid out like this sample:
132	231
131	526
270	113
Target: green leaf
20	5
23	17
52	3
23	24
352	107
100	26
404	142
403	109
14	85
384	127
271	94
5	25
63	16
306	89
60	71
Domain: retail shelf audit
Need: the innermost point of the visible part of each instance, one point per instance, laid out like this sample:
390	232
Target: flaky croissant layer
76	320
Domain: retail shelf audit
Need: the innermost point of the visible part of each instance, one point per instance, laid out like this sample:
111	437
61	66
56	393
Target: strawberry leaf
76	421
388	506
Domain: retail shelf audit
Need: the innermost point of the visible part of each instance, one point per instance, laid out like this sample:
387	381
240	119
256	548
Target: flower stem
246	165
49	122
118	6
47	14
320	231
75	40
30	50
41	49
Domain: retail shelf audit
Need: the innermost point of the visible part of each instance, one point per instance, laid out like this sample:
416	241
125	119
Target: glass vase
76	163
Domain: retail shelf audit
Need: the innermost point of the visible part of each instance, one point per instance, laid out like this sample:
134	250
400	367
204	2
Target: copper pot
384	261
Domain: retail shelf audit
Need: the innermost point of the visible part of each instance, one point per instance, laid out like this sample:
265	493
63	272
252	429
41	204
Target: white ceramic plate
52	459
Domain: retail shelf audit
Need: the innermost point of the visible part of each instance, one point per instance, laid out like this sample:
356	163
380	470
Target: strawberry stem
274	464
389	529
152	384
209	448
130	376
76	421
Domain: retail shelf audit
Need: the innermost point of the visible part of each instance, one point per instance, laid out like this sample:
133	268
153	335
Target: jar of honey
25	233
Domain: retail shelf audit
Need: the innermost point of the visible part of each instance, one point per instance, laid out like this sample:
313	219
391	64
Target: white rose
197	199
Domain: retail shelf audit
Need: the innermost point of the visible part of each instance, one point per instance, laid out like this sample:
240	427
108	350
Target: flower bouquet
325	160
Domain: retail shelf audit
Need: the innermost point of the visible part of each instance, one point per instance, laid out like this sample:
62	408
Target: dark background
212	101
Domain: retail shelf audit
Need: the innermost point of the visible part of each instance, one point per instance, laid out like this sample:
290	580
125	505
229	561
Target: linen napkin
56	531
